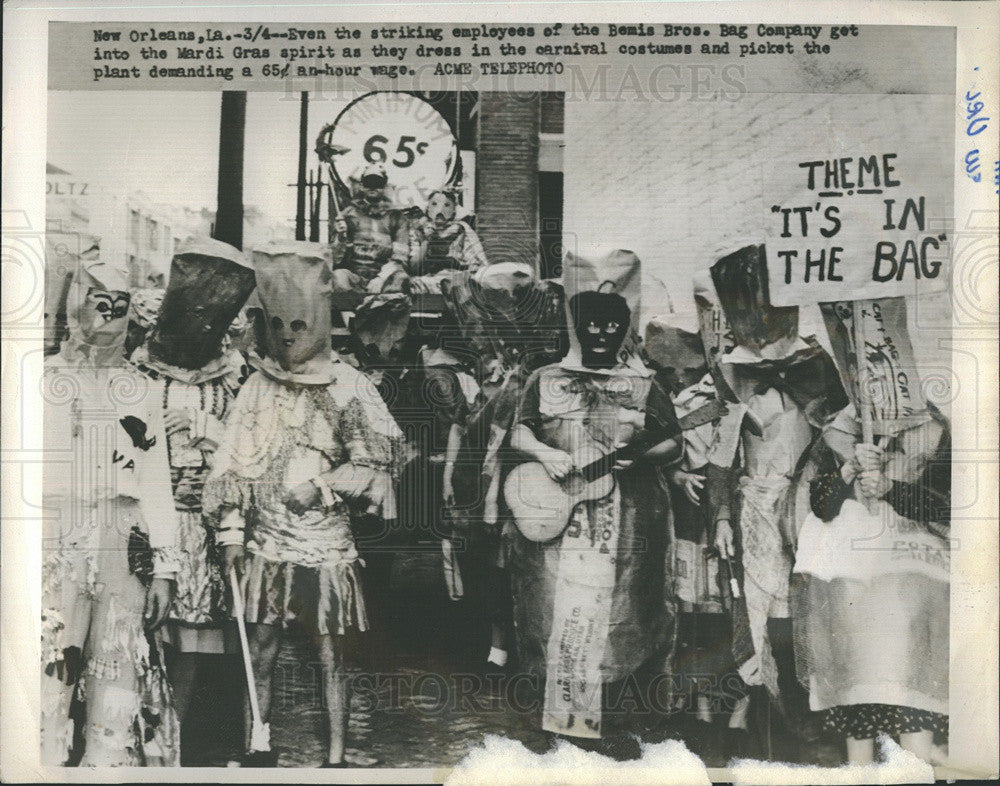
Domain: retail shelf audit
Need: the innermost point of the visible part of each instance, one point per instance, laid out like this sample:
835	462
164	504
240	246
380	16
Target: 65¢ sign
405	134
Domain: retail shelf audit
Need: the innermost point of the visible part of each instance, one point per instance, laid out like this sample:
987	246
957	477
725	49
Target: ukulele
542	507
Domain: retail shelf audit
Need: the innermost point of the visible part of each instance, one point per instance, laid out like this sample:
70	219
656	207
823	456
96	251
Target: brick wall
553	112
507	176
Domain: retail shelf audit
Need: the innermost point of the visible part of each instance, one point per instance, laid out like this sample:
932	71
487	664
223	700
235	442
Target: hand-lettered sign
862	225
886	365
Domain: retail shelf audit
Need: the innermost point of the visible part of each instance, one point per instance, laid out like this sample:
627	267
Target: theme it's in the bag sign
868	224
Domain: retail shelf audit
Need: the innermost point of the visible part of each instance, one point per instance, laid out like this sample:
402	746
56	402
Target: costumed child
187	353
308	444
110	555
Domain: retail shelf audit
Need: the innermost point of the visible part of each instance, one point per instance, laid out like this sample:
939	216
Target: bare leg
338	694
183	672
860	751
738	720
264	642
704	708
497	637
918	742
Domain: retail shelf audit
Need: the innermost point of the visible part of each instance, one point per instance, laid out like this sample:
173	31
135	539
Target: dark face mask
202	299
601	322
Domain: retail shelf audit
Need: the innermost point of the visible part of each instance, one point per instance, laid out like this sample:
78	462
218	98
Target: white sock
497	657
738	720
704	709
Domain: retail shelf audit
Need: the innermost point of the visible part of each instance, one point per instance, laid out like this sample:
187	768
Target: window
133	226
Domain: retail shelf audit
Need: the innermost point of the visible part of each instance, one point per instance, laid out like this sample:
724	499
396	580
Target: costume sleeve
928	500
156	499
368	430
225	488
401	239
473	255
206	431
661	417
418	248
527	412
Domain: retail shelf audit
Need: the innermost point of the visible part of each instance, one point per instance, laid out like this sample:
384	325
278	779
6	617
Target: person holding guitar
592	607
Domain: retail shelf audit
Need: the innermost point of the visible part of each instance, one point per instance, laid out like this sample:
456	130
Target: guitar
542	507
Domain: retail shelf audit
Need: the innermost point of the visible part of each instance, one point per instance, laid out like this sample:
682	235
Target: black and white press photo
411	392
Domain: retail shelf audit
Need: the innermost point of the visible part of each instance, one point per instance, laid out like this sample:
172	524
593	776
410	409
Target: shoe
494	678
333	765
737	745
621	747
260	759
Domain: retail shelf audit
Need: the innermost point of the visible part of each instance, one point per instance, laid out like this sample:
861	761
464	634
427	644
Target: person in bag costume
608	569
703	662
308	444
110	555
187	353
442	244
873	566
783	389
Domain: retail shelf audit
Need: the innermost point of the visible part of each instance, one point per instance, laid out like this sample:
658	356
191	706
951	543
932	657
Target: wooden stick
245	645
864	397
864	391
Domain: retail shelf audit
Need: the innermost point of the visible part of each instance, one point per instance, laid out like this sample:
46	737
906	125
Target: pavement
419	699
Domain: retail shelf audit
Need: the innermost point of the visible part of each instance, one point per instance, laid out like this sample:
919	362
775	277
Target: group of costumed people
626	512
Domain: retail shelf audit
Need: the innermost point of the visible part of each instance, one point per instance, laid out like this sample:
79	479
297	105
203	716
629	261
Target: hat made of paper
209	283
504	275
108	275
669	346
742	288
294	284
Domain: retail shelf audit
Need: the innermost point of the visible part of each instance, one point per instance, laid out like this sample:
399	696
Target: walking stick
260	732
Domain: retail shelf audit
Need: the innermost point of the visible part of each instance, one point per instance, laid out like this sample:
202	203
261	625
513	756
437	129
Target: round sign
405	134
